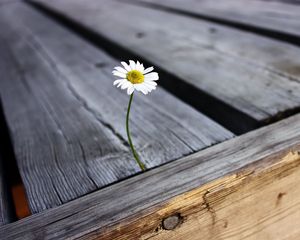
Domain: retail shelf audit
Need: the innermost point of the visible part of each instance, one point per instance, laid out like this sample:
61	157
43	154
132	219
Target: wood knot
171	222
279	198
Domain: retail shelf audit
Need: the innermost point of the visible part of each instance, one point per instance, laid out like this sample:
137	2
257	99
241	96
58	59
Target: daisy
134	76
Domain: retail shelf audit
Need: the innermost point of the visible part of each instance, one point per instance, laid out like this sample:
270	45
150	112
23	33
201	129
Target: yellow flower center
135	76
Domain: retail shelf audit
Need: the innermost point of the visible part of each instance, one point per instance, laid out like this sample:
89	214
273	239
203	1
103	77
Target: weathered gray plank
93	214
256	76
67	120
4	2
276	16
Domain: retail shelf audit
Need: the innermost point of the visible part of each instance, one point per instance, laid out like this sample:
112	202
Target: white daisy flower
134	76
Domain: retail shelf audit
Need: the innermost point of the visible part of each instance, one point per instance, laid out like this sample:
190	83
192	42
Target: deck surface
222	127
67	120
250	74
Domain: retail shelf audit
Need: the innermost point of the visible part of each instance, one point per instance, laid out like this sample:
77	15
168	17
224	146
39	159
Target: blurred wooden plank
4	2
67	120
136	207
255	78
276	16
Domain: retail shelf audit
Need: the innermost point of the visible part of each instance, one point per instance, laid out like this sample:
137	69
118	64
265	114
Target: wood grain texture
67	121
255	75
276	16
144	201
262	202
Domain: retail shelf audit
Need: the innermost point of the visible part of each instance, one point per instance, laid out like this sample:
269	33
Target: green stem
142	166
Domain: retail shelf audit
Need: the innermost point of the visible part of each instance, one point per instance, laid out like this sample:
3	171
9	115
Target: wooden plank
145	200
274	17
68	121
4	2
255	76
258	203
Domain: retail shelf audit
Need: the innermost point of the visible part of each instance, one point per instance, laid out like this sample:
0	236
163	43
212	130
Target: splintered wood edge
203	203
185	190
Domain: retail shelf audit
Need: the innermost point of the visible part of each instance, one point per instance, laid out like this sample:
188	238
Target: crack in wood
209	207
44	54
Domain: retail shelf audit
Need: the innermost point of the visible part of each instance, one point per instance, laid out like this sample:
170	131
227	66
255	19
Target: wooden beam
260	202
270	18
240	79
198	187
67	120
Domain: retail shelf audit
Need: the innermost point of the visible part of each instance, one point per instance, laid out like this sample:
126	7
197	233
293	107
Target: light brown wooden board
261	202
279	17
149	196
67	120
257	76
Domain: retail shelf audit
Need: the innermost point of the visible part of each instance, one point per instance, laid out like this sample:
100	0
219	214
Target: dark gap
18	203
234	120
295	2
273	34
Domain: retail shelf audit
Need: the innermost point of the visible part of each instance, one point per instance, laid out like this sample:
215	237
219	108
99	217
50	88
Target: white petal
130	90
121	70
126	66
117	81
132	65
149	69
142	68
139	67
119	74
150	88
140	87
152	76
121	83
150	82
125	85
